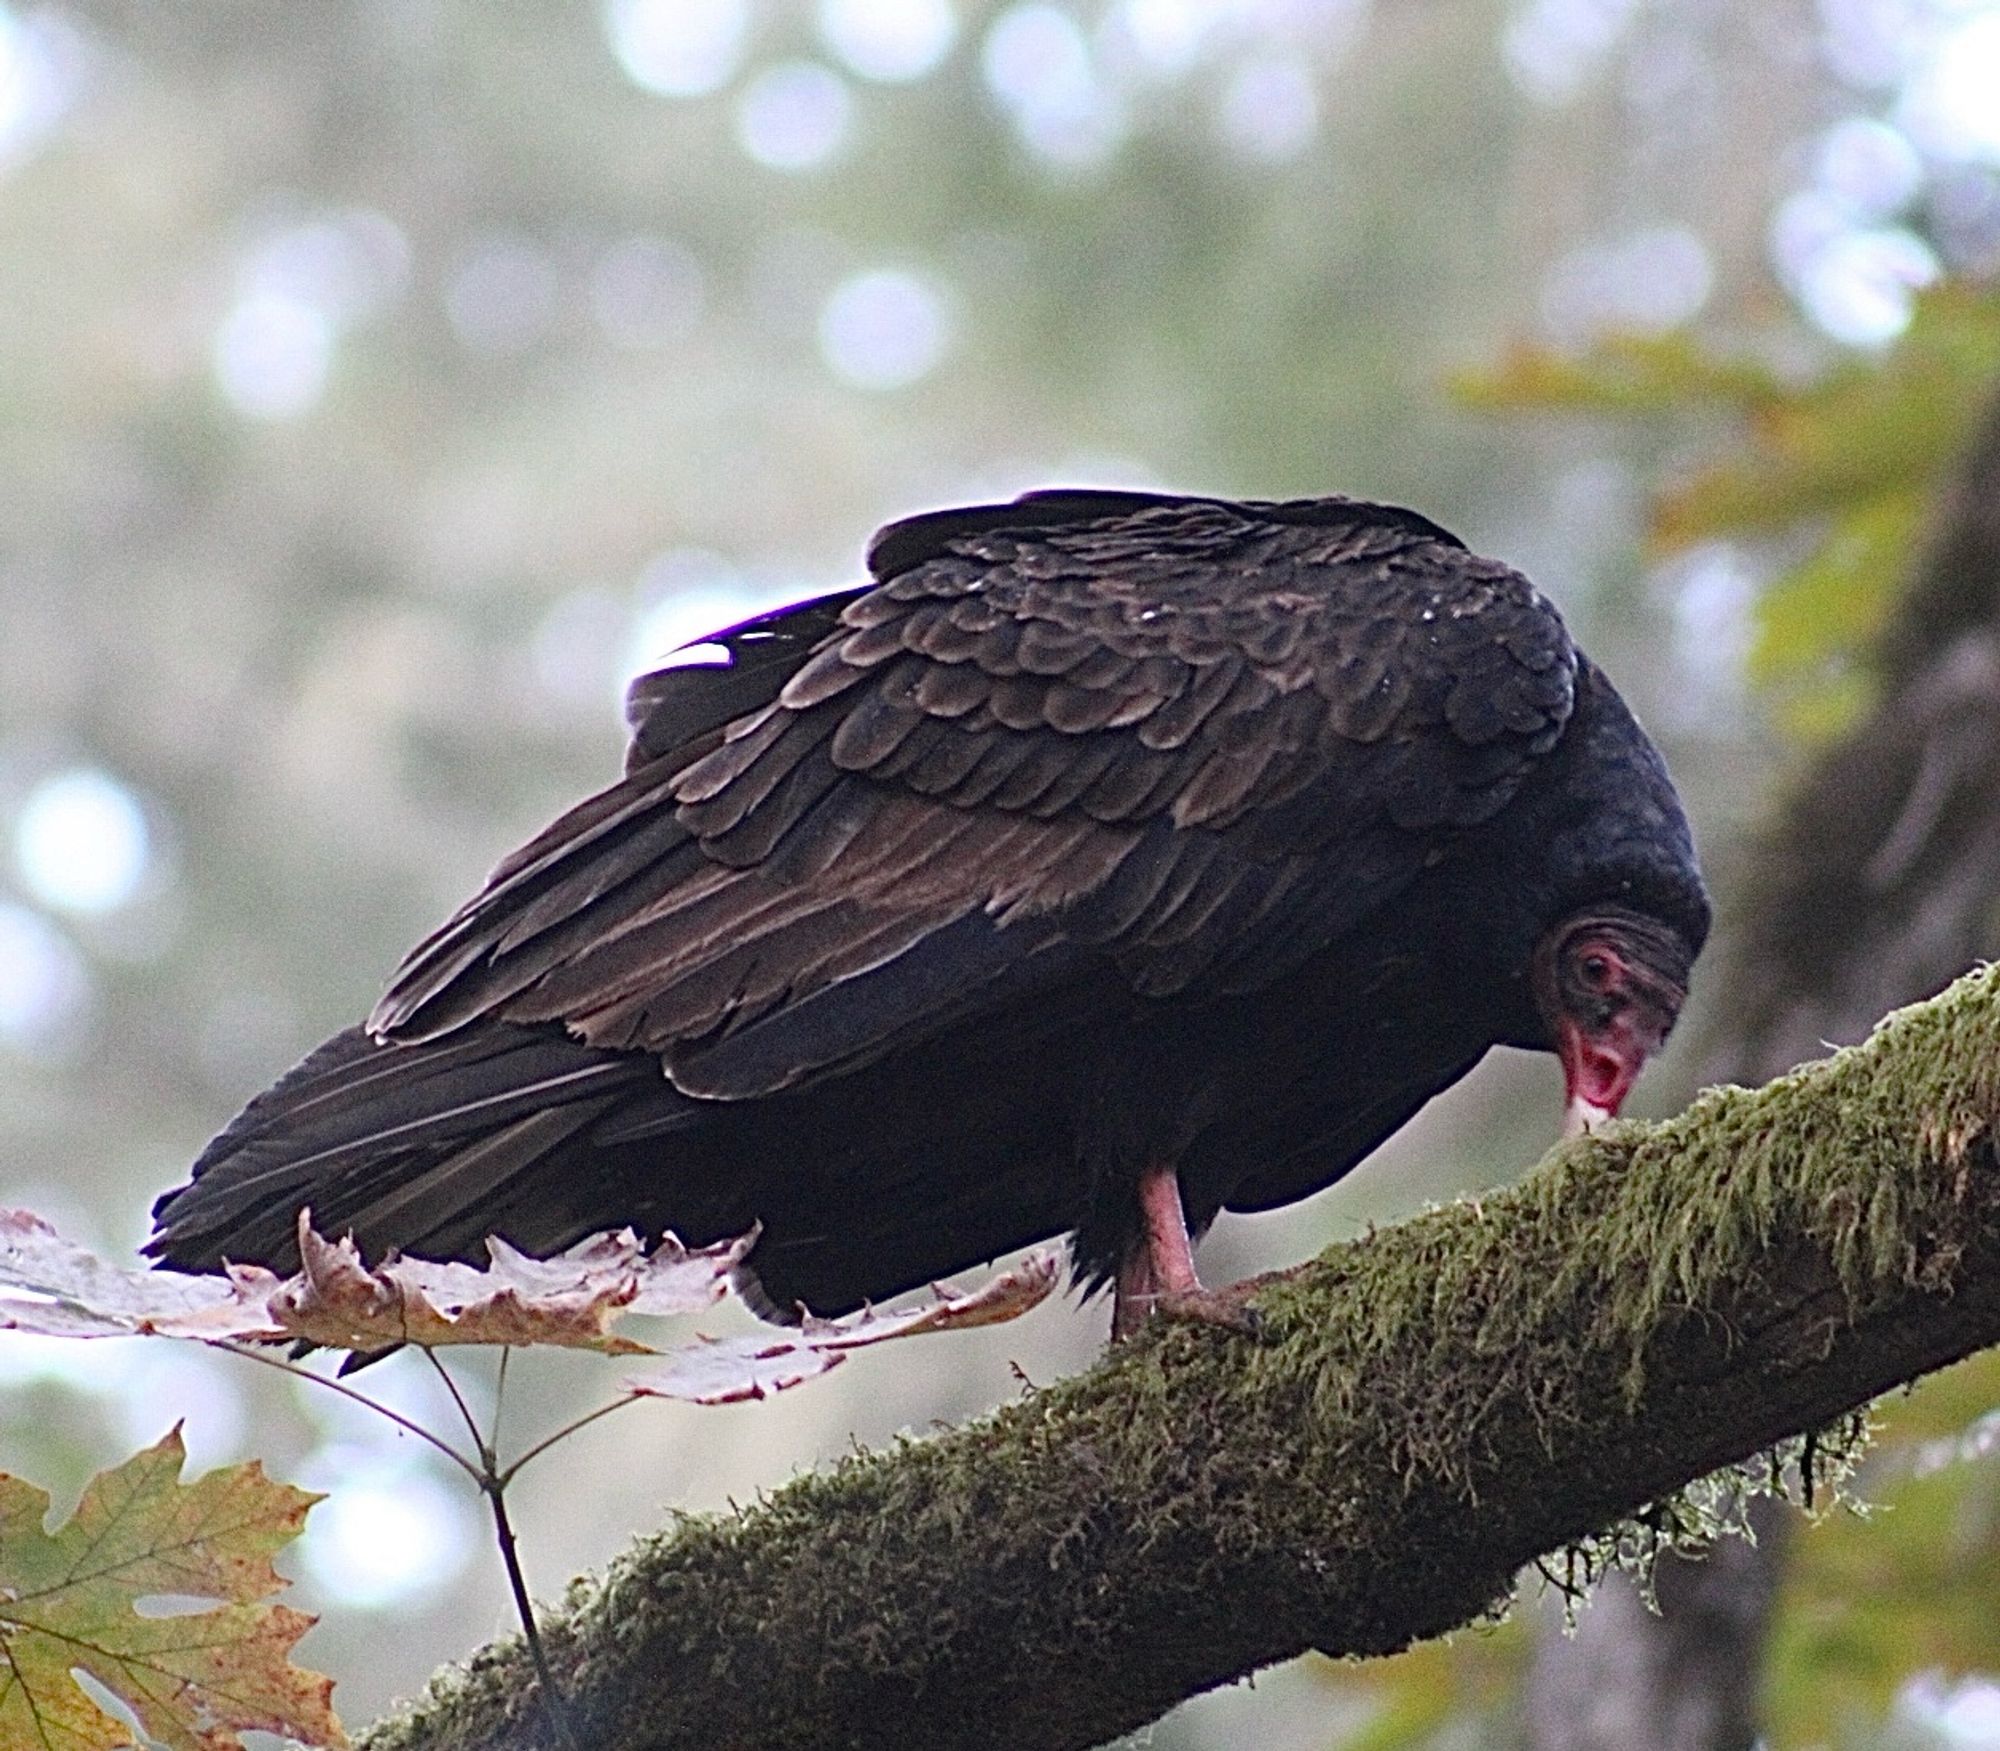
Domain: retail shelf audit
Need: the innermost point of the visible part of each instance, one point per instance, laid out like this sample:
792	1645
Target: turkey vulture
1107	861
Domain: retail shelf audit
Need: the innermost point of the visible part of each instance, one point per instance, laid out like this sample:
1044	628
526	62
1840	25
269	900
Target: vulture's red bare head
1609	983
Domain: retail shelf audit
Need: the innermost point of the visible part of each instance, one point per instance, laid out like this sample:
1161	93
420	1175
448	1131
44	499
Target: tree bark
1877	882
1433	1407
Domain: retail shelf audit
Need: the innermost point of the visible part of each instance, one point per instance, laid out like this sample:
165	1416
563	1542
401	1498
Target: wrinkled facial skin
1609	983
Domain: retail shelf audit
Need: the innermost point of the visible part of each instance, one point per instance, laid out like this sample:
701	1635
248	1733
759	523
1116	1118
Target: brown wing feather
1196	738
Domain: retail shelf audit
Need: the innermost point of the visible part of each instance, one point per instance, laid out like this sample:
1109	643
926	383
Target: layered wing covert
1183	740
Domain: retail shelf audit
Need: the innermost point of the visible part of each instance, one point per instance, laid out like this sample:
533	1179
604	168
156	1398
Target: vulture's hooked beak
1599	1069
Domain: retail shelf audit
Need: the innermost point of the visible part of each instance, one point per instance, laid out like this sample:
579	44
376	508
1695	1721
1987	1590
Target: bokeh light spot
1963	1712
794	116
346	266
1869	167
1859	286
889	40
1035	55
272	355
1951	105
1867	43
678	48
647	291
1712	593
1645	283
1269	109
44	984
81	843
1167	35
502	296
1553	47
387	1532
1038	65
884	329
41	66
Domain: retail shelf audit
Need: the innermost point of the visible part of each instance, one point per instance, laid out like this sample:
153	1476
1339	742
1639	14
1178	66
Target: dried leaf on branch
724	1371
52	1286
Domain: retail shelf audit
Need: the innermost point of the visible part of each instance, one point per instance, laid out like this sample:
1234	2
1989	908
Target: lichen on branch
1434	1407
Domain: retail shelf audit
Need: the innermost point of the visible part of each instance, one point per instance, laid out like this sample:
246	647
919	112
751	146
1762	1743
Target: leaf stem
487	1461
499	1397
553	1706
563	1434
450	1452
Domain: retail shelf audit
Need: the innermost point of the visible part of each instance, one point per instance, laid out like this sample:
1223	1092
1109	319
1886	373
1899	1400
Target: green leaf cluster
1830	470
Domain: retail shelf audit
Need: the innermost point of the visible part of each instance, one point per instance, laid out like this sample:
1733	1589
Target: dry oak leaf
194	1674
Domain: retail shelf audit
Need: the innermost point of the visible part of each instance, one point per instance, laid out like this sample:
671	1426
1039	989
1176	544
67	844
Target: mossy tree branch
1436	1406
1871	885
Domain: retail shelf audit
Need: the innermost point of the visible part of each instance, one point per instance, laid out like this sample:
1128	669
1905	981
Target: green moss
1372	1472
1478	1301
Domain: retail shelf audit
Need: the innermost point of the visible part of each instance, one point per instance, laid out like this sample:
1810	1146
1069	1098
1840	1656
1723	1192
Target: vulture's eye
1597	970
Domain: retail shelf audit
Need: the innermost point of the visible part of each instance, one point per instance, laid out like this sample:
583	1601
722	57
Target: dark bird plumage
1106	847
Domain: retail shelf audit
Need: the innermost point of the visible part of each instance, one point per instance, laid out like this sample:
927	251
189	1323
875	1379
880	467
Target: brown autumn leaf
569	1300
53	1286
194	1677
756	1364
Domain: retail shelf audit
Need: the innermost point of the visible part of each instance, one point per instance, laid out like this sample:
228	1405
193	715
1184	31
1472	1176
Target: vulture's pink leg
1158	1274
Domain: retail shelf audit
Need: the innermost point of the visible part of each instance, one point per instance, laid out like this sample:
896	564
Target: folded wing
1181	743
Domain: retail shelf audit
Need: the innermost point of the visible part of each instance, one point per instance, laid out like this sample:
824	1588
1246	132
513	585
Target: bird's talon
1208	1307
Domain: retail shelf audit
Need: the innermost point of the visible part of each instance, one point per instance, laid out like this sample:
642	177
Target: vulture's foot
1158	1276
1219	1307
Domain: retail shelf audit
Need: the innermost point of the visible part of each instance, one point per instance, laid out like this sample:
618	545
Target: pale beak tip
1581	1117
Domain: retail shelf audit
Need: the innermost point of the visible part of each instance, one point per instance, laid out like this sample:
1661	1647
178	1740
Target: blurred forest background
383	384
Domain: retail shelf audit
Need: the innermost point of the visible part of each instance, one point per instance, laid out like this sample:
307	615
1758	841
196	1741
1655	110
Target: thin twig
563	1434
450	1452
552	1699
499	1397
486	1458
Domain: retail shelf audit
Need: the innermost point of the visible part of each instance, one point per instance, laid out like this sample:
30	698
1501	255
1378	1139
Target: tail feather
412	1148
868	1185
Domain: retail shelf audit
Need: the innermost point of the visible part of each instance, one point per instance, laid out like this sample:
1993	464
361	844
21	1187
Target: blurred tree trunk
1878	882
1684	1678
